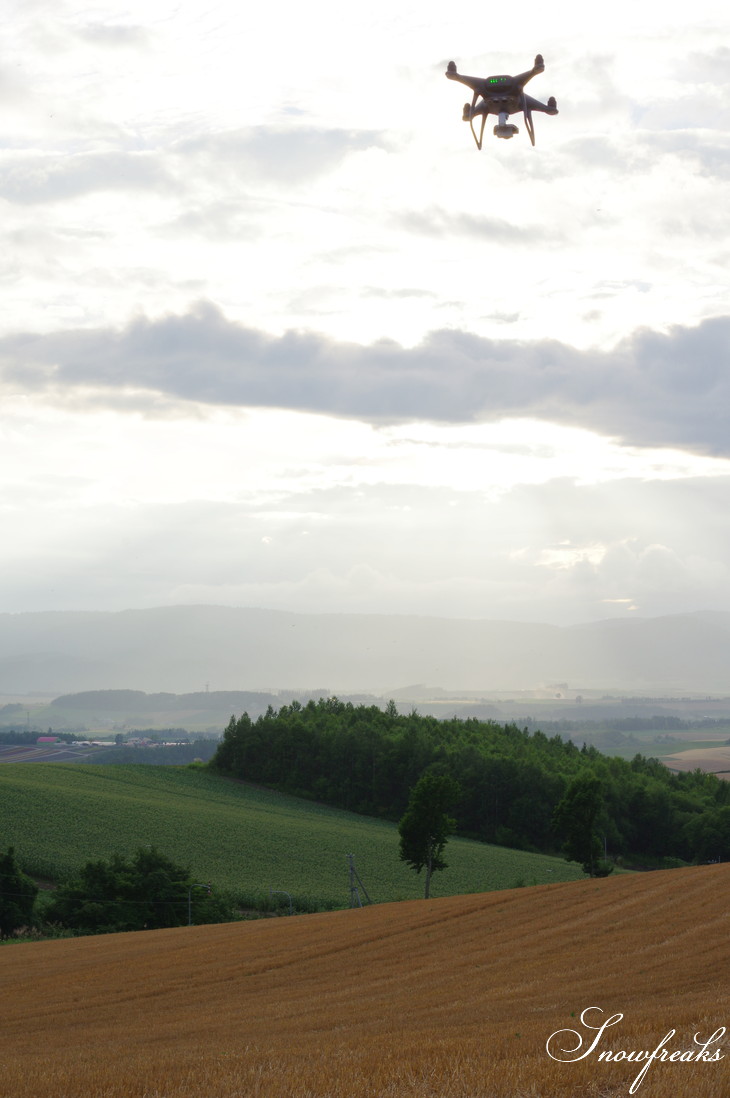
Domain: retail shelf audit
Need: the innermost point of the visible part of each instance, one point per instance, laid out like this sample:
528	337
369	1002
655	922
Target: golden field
450	998
713	760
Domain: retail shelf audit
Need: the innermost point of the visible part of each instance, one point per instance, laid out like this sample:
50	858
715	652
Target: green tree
575	818
709	834
17	896
367	759
143	893
427	824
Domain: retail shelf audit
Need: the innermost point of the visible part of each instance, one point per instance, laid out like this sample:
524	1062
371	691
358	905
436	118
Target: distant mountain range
192	648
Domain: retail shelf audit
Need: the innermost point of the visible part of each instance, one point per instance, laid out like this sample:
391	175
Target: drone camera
505	130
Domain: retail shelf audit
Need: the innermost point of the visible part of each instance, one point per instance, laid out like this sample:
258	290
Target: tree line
510	779
143	892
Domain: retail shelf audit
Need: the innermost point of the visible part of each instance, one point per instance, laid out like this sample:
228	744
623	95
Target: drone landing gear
527	114
468	116
503	128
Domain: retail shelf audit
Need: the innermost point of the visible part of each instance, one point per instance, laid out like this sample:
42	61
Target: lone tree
17	896
575	818
426	824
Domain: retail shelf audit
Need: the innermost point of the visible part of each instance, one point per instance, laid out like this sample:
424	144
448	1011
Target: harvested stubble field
453	998
714	760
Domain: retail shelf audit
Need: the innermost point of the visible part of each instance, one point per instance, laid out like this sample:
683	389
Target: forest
366	759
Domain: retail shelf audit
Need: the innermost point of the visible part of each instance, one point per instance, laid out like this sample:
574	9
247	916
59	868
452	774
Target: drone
503	96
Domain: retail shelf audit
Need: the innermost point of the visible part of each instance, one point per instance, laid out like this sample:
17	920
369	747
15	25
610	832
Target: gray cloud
708	66
658	389
439	222
705	150
284	155
225	220
31	179
13	86
276	155
113	35
405	292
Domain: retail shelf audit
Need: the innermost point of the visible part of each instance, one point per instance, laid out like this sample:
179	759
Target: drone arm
538	67
536	105
476	83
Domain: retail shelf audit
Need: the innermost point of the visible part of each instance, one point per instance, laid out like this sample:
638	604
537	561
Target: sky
274	333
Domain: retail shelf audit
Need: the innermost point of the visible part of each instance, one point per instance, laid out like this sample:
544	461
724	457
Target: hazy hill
184	648
448	998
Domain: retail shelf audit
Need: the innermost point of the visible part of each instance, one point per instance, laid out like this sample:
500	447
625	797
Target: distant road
46	752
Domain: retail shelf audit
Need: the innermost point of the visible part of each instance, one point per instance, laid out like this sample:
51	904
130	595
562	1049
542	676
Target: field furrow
454	998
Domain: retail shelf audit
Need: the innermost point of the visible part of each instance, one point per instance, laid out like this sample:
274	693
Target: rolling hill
448	998
181	648
59	816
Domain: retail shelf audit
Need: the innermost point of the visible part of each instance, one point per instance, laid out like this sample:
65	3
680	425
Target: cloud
232	157
704	150
709	66
559	552
30	179
113	35
405	292
224	220
654	389
280	154
13	87
438	222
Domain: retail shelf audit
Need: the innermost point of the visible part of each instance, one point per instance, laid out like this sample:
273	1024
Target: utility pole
355	900
190	899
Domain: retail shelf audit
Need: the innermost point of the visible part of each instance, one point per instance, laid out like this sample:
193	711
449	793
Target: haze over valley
188	649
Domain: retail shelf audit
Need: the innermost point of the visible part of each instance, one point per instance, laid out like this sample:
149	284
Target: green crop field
58	816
